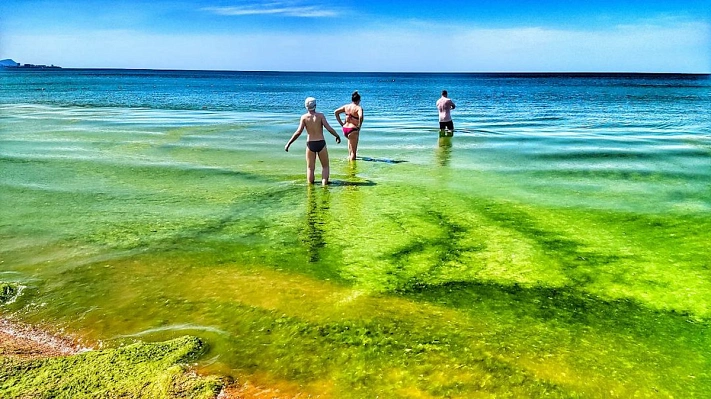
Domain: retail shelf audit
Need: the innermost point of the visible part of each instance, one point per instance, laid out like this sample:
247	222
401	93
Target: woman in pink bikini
354	120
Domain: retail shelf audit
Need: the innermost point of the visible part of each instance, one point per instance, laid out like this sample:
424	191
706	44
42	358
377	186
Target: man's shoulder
319	116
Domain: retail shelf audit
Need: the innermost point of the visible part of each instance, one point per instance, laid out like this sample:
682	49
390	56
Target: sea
555	245
505	123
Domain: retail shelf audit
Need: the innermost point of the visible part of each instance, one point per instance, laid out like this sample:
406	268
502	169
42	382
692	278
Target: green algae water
556	246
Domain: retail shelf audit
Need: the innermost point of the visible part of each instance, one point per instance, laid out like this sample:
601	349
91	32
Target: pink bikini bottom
349	130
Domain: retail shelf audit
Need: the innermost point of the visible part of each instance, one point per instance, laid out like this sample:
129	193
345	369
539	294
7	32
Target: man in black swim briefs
316	146
314	122
444	106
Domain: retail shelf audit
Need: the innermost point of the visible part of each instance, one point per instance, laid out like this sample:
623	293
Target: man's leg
310	165
325	167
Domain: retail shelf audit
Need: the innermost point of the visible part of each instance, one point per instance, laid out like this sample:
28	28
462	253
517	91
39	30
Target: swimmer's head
355	97
310	103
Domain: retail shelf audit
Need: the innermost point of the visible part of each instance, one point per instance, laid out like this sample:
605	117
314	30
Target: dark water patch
478	131
567	305
352	183
624	154
446	247
513	125
384	160
631	175
578	261
18	159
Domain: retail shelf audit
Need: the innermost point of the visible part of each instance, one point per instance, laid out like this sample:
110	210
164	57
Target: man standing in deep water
444	106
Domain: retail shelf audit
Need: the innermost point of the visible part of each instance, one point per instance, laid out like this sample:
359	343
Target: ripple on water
177	328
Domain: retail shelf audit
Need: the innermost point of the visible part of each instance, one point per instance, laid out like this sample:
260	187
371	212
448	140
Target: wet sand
31	343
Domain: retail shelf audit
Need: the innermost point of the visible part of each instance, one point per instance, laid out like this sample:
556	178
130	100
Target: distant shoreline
30	66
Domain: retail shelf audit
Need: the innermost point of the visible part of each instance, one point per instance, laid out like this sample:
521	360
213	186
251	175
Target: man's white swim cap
310	103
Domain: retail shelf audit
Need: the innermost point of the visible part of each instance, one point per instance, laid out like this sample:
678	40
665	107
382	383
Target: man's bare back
314	123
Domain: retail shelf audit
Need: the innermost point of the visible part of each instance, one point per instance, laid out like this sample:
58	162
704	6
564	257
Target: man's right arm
296	134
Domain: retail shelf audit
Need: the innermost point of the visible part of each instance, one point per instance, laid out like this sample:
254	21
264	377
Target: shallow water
556	245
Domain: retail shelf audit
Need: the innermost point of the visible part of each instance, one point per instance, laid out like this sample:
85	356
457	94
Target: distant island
11	64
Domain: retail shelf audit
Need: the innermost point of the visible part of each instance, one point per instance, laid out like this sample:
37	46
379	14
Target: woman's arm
338	113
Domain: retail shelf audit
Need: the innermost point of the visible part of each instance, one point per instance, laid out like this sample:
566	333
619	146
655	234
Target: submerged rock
8	292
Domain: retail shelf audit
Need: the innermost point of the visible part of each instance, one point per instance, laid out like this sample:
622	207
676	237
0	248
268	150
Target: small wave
175	327
130	116
351	297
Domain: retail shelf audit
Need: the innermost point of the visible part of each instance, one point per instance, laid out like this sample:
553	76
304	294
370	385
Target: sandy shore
29	342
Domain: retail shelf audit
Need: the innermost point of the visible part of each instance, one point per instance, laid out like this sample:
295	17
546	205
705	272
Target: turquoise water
557	244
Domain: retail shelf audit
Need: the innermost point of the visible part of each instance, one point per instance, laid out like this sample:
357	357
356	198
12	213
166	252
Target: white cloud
276	8
683	47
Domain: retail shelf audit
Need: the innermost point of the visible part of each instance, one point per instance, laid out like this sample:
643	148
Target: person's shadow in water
444	150
352	180
318	203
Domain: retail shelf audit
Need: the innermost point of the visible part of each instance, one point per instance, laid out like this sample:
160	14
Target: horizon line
56	68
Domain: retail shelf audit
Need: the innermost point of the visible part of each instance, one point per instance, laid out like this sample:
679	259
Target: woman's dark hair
355	96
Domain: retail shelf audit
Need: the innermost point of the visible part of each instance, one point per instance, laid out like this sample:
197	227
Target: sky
362	35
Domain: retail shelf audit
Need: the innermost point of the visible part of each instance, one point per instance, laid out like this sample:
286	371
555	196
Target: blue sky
364	35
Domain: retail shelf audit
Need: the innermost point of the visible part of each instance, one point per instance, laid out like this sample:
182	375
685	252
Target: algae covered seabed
486	265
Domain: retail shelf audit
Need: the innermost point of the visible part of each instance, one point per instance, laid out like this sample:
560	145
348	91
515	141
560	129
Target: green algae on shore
139	370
